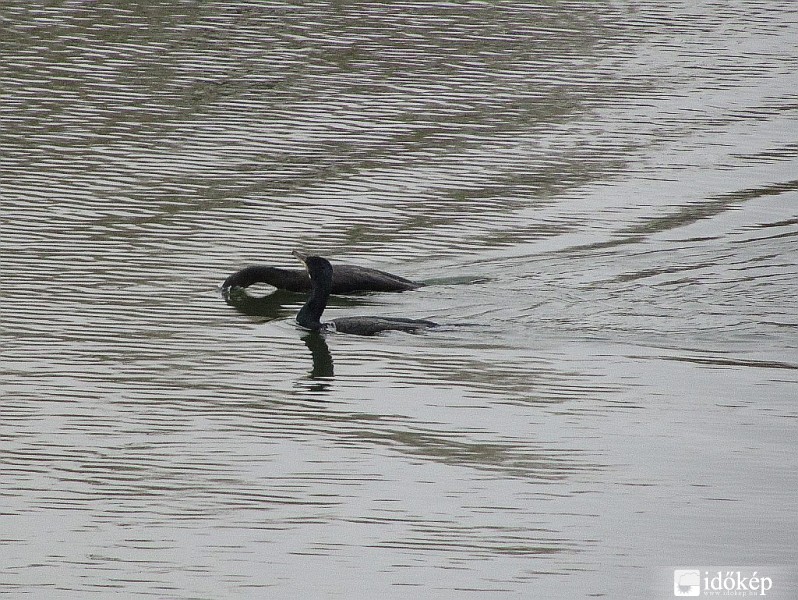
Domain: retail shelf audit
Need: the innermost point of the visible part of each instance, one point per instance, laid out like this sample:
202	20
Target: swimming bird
346	279
321	275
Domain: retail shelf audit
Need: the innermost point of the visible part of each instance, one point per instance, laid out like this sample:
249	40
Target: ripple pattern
601	197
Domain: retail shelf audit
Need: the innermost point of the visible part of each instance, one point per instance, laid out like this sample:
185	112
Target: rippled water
604	192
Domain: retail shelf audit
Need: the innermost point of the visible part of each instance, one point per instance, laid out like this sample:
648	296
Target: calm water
605	192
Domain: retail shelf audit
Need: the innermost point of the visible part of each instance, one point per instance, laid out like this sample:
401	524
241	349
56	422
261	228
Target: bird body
346	279
375	325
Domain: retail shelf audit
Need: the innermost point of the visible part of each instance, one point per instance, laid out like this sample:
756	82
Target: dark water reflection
322	359
604	192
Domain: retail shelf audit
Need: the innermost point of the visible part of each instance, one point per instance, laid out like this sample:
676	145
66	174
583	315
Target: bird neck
309	315
291	280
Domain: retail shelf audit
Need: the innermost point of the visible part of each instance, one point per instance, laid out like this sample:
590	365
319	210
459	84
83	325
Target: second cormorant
321	275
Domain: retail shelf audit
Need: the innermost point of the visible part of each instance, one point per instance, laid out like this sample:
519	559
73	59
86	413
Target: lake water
606	193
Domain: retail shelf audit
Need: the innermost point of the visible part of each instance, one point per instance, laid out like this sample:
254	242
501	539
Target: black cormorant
321	275
346	279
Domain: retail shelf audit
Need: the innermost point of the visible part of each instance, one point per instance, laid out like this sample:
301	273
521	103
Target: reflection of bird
346	279
321	276
322	359
267	307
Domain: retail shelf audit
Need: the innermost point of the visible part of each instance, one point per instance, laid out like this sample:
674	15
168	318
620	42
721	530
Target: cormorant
346	279
321	275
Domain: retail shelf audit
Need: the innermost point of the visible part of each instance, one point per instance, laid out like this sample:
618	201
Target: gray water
604	192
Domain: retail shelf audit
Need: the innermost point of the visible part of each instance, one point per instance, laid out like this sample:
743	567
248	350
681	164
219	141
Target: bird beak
302	256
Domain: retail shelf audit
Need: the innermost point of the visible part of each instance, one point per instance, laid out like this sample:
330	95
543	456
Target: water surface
605	192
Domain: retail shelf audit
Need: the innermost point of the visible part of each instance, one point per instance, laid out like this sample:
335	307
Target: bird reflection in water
279	303
320	378
322	359
269	307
